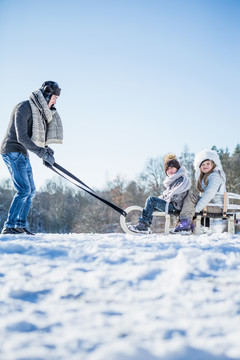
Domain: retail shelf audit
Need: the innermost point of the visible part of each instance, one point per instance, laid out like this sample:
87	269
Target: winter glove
50	151
48	158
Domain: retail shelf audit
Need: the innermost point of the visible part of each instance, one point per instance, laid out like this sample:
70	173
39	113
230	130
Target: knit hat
170	160
208	155
50	88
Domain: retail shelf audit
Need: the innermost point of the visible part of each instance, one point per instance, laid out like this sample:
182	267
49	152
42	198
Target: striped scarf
178	189
47	124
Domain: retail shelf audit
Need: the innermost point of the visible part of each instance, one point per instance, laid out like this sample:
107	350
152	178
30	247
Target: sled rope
58	169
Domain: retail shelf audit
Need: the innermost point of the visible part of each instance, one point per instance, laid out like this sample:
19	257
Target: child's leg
189	204
152	204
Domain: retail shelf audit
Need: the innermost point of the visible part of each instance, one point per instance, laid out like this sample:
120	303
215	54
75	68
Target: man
33	125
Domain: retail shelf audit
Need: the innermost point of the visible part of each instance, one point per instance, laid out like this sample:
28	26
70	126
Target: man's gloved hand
48	158
50	151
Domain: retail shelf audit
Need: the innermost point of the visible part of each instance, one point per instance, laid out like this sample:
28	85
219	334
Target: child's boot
141	228
184	227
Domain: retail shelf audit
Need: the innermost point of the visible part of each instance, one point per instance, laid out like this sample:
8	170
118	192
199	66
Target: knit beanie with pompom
170	160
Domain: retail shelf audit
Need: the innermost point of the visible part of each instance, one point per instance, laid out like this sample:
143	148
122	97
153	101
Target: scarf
177	189
47	124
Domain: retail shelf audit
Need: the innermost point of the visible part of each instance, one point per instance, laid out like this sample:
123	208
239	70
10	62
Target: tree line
61	208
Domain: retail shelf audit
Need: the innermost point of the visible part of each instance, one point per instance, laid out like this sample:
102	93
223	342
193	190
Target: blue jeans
21	173
154	203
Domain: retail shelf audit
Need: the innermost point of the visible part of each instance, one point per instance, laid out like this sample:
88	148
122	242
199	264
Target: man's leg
22	216
18	166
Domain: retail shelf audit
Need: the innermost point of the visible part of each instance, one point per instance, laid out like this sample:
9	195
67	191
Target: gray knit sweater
19	132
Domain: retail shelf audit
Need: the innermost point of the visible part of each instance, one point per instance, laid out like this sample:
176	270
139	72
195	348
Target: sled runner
133	213
230	212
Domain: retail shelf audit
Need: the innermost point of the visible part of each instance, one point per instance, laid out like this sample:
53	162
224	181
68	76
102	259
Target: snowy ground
120	297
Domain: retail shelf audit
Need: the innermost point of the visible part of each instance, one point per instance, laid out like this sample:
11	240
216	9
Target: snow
120	297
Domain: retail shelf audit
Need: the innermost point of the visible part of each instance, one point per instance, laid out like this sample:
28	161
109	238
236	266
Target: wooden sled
230	211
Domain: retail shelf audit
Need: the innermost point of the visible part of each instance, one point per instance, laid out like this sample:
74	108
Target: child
211	181
177	183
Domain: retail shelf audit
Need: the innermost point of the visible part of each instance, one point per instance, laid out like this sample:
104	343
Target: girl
177	184
211	181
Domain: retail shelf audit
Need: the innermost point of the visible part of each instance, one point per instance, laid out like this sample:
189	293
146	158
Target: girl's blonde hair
204	176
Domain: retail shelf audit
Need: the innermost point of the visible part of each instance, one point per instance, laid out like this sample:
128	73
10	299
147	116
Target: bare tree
153	176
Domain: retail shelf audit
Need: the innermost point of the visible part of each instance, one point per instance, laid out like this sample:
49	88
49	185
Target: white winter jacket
213	192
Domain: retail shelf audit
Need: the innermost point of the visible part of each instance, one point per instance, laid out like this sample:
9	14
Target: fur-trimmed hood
208	155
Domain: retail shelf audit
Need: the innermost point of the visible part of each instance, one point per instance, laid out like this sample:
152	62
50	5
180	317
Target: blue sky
138	78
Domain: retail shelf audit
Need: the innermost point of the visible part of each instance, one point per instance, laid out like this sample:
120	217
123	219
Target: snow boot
141	228
185	227
10	231
23	231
